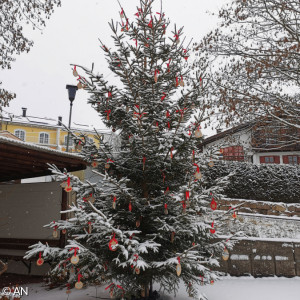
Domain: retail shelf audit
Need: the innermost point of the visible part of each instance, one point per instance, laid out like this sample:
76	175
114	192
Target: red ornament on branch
213	204
113	243
212	230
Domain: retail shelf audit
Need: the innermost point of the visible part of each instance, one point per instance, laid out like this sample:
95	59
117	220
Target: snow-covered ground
230	288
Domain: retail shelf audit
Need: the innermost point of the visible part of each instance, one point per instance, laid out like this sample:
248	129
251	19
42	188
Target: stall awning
19	160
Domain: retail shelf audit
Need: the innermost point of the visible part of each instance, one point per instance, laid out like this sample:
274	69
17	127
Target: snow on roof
48	122
22	144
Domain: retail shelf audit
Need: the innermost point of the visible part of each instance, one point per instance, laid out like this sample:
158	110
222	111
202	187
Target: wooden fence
263	258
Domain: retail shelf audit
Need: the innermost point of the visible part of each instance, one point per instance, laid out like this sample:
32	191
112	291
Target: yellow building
45	131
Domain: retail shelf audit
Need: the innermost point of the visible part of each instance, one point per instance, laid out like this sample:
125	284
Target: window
291	159
235	153
44	138
19	133
274	159
70	140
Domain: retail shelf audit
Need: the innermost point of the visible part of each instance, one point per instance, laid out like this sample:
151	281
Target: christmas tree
153	218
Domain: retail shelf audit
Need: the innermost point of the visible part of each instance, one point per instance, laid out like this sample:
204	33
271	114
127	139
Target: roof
19	160
226	133
46	123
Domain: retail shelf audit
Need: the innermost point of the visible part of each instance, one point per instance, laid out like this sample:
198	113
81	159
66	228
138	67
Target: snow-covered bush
278	183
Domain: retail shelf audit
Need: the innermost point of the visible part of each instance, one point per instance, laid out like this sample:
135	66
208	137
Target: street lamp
72	92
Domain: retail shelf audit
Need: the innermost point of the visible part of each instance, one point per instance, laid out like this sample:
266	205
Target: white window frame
48	138
21	130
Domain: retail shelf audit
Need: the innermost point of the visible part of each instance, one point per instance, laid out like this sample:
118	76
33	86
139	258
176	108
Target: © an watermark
15	291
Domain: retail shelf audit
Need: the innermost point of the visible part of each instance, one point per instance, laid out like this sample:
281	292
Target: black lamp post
72	92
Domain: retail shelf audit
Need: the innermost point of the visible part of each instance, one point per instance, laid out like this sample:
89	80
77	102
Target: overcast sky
71	36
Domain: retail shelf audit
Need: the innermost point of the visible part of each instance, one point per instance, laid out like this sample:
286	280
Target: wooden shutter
277	159
262	159
285	159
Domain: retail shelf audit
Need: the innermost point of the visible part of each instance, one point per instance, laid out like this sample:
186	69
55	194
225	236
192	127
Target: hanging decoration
166	209
75	73
212	230
181	83
163	96
64	231
211	163
213	204
225	254
107	165
234	215
107	114
171	152
79	284
130	206
177	38
198	132
68	291
113	243
178	267
114	202
150	25
95	164
74	258
40	260
138	222
198	174
55	232
167	190
168	65
137	271
122	14
164	28
177	82
89	227
68	188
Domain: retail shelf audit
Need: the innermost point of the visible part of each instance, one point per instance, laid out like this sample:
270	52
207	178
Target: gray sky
71	36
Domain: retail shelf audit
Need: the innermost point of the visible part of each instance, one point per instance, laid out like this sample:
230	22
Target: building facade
46	131
261	142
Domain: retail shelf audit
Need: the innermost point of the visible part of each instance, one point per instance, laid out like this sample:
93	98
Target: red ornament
163	97
40	261
150	24
213	204
114	202
68	188
166	209
113	243
212	230
234	215
130	206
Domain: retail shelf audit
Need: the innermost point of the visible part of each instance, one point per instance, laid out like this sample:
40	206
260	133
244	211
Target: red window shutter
286	159
262	159
277	159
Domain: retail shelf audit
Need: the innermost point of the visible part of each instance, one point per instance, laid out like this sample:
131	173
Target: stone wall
263	258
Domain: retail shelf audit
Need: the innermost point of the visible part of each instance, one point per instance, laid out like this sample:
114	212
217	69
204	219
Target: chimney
24	111
59	121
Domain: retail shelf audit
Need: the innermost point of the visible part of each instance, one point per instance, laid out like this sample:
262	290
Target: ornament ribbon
187	195
75	250
108	112
79	276
198	169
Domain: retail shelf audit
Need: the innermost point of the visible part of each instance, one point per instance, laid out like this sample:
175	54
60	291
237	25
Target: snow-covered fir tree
153	218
